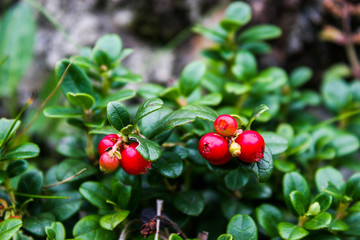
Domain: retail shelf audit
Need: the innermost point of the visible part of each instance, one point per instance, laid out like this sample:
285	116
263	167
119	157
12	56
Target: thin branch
159	206
47	99
65	180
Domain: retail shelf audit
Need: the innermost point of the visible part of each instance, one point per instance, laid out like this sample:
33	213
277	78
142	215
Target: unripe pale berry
225	125
107	142
214	148
132	162
108	162
252	146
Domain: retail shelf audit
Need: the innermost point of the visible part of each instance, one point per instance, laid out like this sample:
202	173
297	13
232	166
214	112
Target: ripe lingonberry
132	162
108	162
214	148
252	146
225	125
107	142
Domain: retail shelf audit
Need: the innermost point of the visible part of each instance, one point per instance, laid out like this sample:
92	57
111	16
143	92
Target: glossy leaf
202	112
70	167
300	76
38	223
121	193
62	112
72	147
352	187
148	107
328	174
118	115
104	130
225	237
335	93
236	179
150	150
31	182
190	202
245	66
260	32
298	201
324	201
88	228
75	81
63	209
16	168
191	76
237	88
242	227
5	126
110	221
269	217
9	228
25	151
83	100
96	193
173	120
256	113
212	99
291	232
118	96
169	165
275	142
56	231
111	44
295	181
320	221
237	14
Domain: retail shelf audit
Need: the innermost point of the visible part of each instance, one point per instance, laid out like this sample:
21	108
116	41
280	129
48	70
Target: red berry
214	148
132	162
108	162
252	146
107	142
225	125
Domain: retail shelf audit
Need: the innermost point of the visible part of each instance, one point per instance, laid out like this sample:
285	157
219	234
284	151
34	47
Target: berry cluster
229	141
114	153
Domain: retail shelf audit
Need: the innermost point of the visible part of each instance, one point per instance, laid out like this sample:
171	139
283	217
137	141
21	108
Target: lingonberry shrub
66	196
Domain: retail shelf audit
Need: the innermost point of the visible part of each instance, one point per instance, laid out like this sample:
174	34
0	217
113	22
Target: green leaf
110	44
271	79
149	149
245	66
20	236
56	231
259	33
172	120
104	130
328	174
300	76
150	90
216	34
88	228
263	168
25	151
237	88
298	202
9	228
3	176
83	100
202	112
169	165
75	80
190	202
324	201
345	143
332	190
72	147
320	221
5	125
269	217
225	237
31	182
119	96
336	94
236	179
256	113
36	225
148	107
191	76
256	47
242	227
16	168
295	181
212	99
353	221
121	193
118	115
352	187
70	167
275	142
96	193
17	24
237	14
338	225
110	221
355	207
63	209
284	166
231	207
174	236
290	231
62	112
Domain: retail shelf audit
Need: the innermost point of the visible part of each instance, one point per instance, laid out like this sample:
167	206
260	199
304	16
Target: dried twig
159	206
65	180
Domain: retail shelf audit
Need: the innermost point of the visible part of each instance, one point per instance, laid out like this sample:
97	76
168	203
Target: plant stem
241	101
341	210
302	220
343	115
